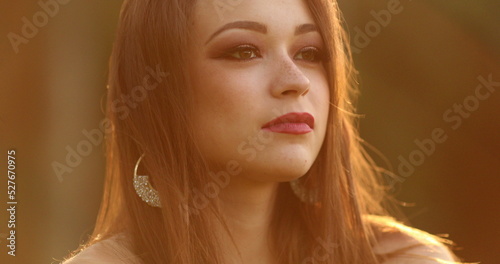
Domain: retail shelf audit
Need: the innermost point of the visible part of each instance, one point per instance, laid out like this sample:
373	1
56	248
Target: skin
242	79
235	97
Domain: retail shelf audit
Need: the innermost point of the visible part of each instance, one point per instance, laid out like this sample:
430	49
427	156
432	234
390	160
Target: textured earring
306	196
144	189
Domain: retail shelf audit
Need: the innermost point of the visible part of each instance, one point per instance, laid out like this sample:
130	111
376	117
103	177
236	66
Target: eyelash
319	57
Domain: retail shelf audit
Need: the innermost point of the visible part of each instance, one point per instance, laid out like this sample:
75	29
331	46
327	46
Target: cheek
321	99
220	95
320	92
224	106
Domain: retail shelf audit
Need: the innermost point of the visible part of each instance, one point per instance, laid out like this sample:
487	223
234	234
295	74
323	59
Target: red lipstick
291	123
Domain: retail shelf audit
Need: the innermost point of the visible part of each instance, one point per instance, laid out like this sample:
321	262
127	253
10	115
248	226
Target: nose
289	80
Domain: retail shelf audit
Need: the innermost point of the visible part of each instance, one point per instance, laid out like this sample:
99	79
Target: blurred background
429	75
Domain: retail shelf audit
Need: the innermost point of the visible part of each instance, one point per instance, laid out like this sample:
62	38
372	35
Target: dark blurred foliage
420	73
424	62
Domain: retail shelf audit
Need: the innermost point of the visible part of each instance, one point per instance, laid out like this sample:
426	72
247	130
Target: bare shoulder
406	245
95	253
111	250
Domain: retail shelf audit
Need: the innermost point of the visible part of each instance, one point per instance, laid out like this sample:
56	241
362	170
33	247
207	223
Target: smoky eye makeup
238	45
310	54
243	48
246	52
239	52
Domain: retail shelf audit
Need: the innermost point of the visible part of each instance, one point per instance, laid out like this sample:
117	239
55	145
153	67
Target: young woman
232	140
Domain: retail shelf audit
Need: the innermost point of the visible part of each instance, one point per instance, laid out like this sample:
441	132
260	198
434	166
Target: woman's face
252	62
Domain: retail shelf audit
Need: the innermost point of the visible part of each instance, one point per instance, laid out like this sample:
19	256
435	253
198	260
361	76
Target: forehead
280	16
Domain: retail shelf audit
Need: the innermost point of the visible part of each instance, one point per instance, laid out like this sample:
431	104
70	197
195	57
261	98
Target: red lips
291	123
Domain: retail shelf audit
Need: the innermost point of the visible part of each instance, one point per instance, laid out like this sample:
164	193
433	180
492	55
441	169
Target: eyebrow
258	27
305	28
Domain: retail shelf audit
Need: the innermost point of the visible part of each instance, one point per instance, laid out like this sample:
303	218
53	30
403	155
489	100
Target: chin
284	171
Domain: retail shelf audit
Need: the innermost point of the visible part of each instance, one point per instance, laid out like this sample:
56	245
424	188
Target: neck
248	206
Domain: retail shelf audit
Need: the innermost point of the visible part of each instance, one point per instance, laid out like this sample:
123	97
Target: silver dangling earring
144	189
306	196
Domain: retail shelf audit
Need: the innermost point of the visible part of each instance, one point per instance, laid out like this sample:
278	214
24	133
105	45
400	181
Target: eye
311	54
242	53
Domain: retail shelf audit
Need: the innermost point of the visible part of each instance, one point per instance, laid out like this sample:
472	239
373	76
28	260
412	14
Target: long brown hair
148	68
